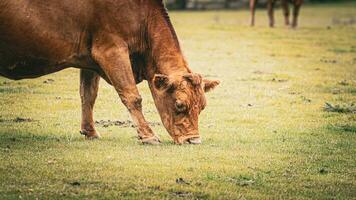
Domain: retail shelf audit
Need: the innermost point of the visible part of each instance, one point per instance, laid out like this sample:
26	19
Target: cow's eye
171	89
180	106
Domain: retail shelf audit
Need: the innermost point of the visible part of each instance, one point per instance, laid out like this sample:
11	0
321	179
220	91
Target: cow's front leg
89	83
113	57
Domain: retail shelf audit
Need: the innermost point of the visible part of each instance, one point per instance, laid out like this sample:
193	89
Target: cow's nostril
180	105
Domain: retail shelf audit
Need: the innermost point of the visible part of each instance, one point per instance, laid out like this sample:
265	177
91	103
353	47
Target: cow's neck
166	55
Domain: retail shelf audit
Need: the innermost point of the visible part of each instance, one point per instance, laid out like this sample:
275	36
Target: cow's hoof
90	135
151	141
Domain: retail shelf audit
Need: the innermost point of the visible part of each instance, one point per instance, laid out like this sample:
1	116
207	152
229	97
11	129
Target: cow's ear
210	84
195	79
161	82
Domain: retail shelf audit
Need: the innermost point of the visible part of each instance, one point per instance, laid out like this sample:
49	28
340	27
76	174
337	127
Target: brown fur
122	41
270	7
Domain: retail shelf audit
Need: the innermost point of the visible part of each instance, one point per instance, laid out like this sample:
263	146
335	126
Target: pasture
282	124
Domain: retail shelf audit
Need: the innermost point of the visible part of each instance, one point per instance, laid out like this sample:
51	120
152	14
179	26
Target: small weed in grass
182	181
323	170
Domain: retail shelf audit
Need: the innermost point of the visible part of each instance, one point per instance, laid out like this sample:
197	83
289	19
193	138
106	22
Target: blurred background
281	125
223	4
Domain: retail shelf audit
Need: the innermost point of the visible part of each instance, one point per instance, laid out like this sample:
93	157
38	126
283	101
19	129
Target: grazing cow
270	6
122	41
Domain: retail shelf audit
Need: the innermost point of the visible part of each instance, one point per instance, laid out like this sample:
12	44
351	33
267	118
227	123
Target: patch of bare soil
330	61
183	194
279	80
345	108
18	120
123	124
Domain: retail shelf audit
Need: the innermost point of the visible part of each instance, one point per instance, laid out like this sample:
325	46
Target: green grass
266	133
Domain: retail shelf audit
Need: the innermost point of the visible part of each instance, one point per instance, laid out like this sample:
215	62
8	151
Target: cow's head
179	100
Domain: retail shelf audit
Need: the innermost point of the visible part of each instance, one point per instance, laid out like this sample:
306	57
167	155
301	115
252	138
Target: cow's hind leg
285	8
112	54
89	83
252	10
270	7
297	5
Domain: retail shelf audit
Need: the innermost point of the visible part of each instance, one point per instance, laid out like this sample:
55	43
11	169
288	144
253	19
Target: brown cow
270	6
122	41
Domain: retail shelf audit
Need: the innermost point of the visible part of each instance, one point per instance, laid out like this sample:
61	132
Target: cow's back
44	36
47	28
38	37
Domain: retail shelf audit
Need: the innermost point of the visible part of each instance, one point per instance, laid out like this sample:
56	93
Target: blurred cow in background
270	6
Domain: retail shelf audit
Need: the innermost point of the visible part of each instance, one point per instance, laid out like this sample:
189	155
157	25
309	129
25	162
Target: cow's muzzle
194	141
189	139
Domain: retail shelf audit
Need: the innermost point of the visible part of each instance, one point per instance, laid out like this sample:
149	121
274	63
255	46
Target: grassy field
267	131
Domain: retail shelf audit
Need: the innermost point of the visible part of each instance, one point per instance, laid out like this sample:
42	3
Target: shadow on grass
347	129
28	140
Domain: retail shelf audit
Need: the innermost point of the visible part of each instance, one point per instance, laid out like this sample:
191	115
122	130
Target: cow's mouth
194	140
